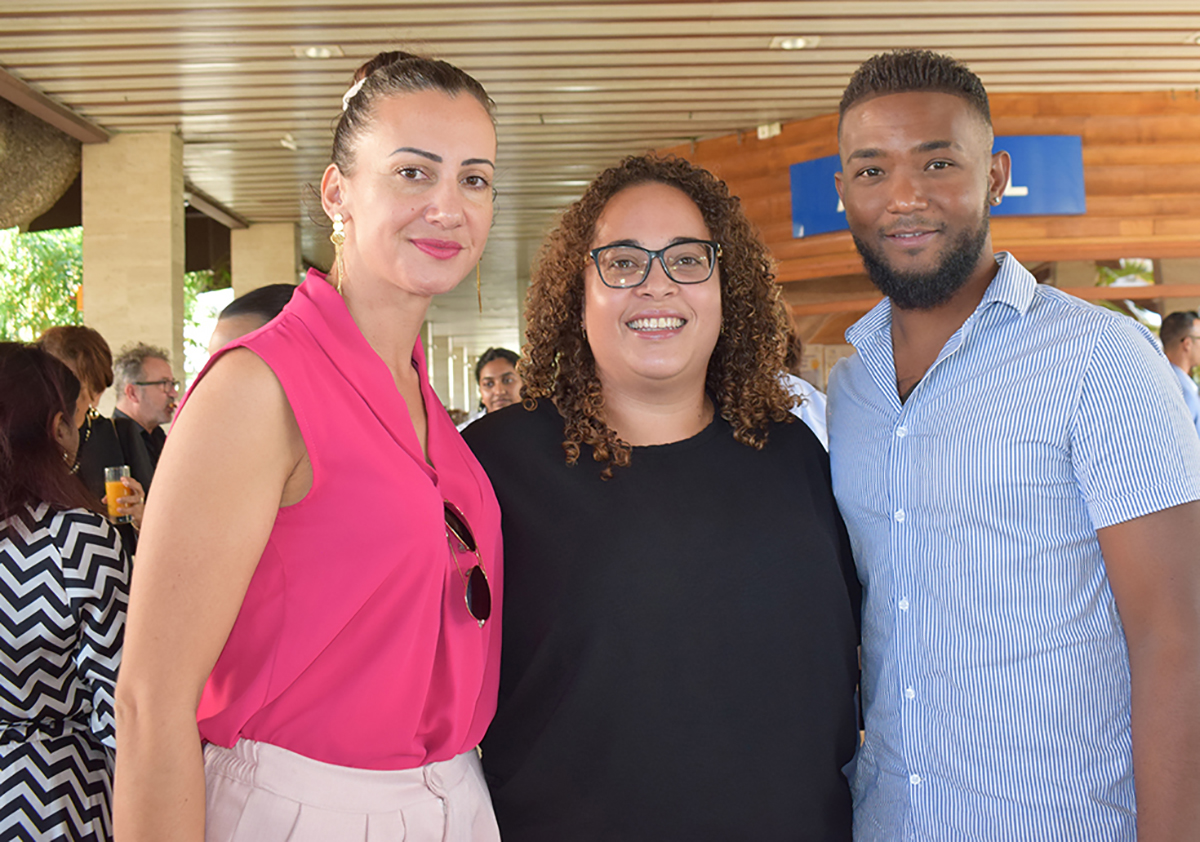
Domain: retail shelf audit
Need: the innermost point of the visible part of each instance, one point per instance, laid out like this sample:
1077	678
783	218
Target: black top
98	449
141	448
679	641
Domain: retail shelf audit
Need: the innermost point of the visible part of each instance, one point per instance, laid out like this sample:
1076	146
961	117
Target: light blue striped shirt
995	673
1190	395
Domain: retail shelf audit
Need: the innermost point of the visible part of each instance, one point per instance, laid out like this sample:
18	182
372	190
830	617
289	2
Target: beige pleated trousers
261	793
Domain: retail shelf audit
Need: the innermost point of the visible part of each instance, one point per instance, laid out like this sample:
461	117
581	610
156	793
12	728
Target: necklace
85	432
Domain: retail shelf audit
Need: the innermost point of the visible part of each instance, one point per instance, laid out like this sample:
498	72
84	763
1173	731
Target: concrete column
454	375
133	241
1179	270
460	360
523	271
470	392
439	355
266	253
1075	273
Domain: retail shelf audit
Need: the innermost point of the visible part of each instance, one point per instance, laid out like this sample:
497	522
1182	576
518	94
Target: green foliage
40	276
1132	269
194	283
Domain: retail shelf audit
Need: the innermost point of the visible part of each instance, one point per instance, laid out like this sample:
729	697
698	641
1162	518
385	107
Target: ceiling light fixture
288	142
795	42
318	51
1194	38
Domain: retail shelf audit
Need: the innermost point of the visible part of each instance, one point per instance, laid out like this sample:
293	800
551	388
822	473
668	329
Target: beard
926	290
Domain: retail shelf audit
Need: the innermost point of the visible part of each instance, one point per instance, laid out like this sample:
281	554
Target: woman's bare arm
231	459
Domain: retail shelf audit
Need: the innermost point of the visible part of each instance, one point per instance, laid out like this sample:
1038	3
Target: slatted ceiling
578	85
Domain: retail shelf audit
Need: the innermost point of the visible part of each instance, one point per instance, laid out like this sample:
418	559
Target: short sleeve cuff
1111	511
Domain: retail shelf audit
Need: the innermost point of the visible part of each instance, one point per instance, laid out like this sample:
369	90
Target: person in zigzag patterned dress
64	582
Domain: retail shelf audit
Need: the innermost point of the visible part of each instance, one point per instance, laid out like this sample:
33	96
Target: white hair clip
350	94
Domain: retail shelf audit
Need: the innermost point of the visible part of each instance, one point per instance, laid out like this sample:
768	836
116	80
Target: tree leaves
40	277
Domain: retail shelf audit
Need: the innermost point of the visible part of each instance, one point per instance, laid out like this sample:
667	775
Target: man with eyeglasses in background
1180	335
146	397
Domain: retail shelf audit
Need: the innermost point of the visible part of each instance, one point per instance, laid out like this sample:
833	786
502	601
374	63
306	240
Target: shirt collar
1013	285
145	433
324	314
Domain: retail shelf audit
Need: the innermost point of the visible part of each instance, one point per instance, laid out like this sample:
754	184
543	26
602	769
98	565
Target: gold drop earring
338	238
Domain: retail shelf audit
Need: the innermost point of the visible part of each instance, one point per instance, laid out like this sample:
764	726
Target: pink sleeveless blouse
353	645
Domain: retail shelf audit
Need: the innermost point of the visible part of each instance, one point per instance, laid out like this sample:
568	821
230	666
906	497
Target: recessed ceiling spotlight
795	42
318	51
288	142
1194	38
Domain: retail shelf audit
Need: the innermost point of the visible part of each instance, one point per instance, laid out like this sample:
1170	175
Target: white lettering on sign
1009	190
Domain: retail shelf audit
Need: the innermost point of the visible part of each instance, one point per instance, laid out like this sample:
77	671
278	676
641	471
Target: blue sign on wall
1046	180
816	208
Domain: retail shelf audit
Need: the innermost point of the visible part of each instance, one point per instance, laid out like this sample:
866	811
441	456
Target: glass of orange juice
114	489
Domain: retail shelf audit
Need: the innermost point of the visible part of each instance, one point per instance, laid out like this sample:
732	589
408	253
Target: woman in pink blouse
319	571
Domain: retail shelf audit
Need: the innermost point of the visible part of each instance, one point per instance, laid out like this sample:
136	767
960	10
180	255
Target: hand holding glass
114	490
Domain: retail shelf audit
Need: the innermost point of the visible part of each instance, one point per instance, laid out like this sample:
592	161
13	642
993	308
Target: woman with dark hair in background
63	597
313	579
681	606
498	381
85	352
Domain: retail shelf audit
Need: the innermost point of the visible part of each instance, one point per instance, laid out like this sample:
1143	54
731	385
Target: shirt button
901	432
899	516
909	693
904	604
914	779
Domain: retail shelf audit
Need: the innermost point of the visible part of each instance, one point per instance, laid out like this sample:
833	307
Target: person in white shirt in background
1180	335
811	408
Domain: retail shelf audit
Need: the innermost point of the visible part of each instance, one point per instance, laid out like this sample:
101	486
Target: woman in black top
679	646
85	352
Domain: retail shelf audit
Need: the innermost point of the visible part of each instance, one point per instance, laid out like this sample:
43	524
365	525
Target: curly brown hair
743	372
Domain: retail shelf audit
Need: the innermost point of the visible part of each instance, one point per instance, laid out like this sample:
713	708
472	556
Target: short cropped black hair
492	354
265	302
902	71
1177	326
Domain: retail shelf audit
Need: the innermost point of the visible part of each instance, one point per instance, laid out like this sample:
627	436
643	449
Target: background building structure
230	108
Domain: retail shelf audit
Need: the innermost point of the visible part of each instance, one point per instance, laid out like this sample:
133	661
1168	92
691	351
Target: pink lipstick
441	249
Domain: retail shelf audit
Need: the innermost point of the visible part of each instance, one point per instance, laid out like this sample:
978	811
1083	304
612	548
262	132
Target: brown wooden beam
47	110
213	209
1135	293
847	306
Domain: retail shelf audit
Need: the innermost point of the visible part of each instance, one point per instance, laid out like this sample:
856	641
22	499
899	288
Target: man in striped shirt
1020	481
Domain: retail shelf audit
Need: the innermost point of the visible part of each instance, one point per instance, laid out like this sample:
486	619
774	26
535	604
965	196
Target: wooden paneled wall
1141	157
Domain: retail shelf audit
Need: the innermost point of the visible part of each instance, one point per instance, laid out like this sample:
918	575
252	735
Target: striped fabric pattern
996	679
64	584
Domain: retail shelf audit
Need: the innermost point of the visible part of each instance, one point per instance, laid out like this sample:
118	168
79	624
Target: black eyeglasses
478	594
623	265
167	385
